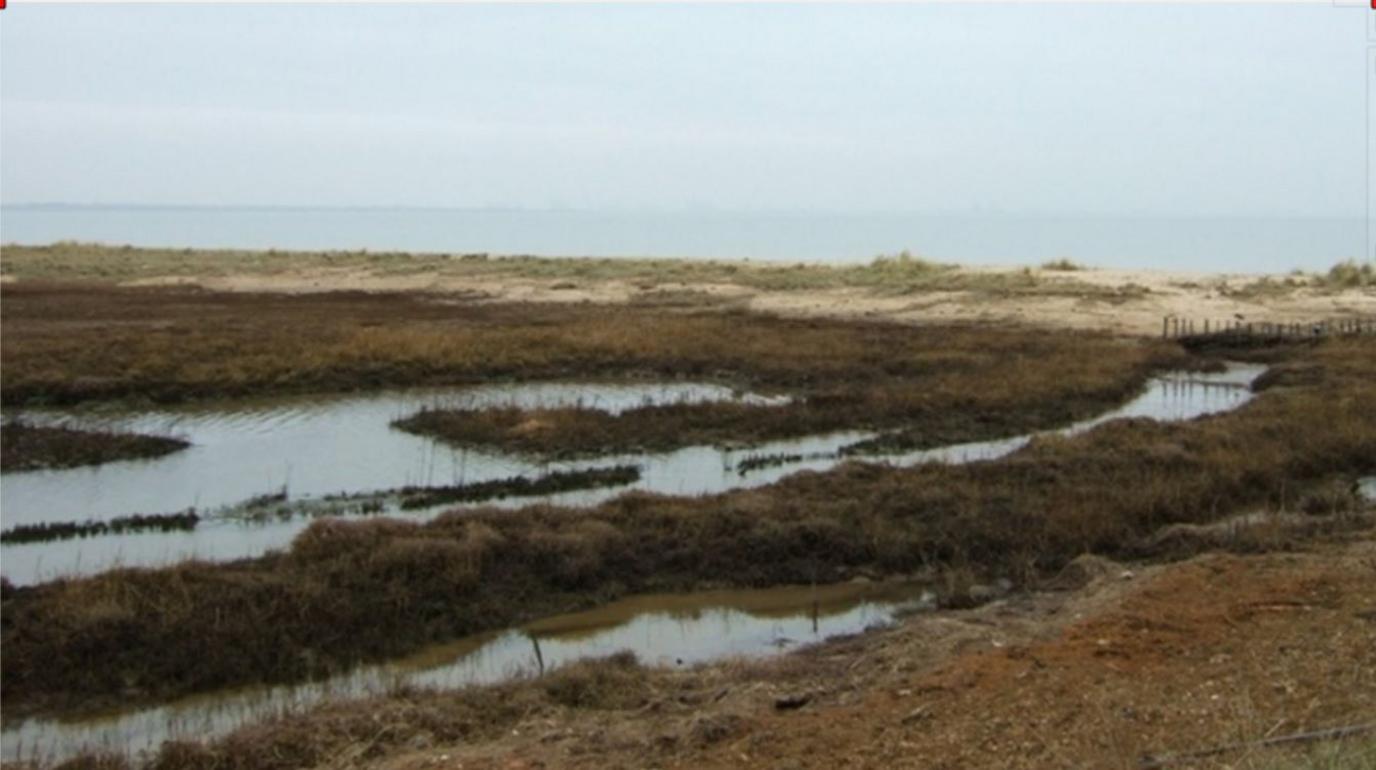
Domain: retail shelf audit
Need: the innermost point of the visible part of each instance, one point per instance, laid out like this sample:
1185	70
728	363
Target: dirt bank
1144	662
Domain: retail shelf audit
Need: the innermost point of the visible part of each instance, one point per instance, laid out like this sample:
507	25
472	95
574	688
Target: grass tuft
1351	275
24	446
1062	266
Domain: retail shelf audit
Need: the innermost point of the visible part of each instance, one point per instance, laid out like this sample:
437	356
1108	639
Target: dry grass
29	447
355	732
901	273
922	411
1352	754
1343	276
1351	274
1062	266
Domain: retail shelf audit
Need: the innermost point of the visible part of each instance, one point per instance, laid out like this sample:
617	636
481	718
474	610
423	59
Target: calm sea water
1225	244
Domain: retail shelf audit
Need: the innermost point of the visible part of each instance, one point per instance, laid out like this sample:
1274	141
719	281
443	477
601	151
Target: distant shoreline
1241	243
1057	294
669	210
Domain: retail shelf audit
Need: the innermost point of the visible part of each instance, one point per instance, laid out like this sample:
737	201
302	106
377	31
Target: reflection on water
318	447
310	446
1182	396
1367	488
672	630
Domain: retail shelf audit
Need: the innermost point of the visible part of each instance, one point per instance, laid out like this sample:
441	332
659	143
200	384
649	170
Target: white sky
1070	108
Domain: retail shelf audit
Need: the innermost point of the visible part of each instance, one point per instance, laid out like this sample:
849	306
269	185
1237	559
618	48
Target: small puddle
319	447
665	629
1367	488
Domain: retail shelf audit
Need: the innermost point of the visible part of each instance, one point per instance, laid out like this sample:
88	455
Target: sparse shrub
182	755
613	682
1330	498
1062	266
904	262
331	539
1351	275
573	558
426	559
956	588
98	761
709	728
481	543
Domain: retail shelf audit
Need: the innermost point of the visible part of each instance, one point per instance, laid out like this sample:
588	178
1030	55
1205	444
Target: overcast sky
1156	109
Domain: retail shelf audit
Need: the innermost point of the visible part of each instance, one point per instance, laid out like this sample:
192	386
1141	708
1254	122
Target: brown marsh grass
921	419
351	591
24	446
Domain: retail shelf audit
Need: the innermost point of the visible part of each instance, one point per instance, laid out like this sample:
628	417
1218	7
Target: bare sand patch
1123	301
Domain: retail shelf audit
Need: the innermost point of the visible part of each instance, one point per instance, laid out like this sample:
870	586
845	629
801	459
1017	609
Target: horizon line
661	210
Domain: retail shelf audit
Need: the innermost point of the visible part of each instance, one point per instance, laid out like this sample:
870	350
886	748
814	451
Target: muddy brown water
667	629
314	447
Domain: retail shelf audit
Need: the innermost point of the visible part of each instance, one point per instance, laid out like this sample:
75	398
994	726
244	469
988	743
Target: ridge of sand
1122	301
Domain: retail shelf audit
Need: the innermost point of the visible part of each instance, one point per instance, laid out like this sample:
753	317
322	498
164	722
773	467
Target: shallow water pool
662	629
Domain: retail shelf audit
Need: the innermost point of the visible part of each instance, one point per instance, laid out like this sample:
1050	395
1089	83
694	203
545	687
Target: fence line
1175	327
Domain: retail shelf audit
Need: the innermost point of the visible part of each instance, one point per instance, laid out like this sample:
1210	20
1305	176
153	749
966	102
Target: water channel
314	447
